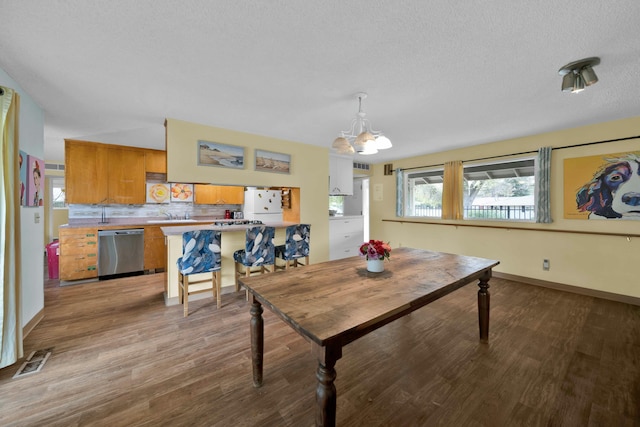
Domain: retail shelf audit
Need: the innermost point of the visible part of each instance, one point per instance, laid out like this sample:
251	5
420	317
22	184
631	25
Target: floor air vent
34	363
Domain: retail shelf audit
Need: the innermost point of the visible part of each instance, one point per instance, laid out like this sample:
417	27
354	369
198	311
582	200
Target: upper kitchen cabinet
100	173
85	167
206	194
340	176
155	161
126	176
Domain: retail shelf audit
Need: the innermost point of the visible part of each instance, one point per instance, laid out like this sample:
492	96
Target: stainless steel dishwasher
120	252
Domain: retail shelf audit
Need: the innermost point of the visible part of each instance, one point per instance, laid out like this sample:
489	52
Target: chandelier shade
360	138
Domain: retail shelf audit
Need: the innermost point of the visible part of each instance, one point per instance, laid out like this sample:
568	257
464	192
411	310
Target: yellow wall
309	171
605	263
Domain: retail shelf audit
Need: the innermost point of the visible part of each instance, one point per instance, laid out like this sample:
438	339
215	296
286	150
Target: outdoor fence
524	212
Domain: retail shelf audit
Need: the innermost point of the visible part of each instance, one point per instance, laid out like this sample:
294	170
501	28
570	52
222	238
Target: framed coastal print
35	186
268	161
223	155
602	187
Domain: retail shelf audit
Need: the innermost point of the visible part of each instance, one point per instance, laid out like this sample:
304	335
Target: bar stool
200	254
259	252
296	246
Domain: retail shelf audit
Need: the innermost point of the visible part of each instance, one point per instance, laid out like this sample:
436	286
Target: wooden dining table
332	304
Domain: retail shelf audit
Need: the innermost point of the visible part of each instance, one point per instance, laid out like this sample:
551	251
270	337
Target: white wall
31	233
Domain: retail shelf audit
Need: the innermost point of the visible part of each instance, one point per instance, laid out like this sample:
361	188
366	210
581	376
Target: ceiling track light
360	138
579	74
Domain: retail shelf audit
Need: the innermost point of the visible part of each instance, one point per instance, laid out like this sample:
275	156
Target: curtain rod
531	152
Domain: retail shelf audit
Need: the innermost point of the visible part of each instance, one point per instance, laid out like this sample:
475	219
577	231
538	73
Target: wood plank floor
122	358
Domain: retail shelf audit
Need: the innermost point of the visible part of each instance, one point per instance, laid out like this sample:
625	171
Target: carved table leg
326	394
483	306
257	340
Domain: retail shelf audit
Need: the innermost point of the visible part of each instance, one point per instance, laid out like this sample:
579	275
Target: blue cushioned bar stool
200	254
296	246
259	252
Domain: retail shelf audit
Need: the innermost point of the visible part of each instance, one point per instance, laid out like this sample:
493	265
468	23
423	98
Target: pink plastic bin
53	253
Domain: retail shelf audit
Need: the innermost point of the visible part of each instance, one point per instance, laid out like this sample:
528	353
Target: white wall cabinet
340	176
345	237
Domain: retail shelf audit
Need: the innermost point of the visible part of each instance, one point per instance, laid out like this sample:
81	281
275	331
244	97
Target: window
499	190
57	193
424	193
336	203
503	191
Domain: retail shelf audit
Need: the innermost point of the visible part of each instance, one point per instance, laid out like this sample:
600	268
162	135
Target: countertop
177	230
336	217
137	222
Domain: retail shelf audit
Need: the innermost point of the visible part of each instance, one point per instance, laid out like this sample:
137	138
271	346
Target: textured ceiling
439	74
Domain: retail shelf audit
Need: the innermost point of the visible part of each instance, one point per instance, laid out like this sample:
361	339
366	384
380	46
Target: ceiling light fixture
578	74
360	138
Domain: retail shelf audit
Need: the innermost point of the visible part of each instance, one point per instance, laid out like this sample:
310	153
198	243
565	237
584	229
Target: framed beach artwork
223	155
35	181
602	187
268	161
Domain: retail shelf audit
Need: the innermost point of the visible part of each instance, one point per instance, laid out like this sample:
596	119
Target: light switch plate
377	192
36	218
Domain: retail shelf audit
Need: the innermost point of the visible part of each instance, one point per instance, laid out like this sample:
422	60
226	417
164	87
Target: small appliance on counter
224	223
263	205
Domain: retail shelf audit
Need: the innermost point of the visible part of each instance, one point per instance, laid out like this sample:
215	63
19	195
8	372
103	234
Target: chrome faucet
103	216
168	214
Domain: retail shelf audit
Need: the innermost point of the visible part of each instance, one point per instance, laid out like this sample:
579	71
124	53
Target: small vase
375	265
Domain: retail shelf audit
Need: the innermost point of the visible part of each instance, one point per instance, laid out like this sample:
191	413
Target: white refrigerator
263	205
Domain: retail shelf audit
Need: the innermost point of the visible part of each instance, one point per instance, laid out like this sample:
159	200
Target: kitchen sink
170	221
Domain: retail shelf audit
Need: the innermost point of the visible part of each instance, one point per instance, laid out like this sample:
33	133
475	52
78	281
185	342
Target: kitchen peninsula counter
233	238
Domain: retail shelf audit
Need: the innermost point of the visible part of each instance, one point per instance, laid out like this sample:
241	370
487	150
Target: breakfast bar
233	238
334	303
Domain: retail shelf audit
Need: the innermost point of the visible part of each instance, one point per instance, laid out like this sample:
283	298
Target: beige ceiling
440	74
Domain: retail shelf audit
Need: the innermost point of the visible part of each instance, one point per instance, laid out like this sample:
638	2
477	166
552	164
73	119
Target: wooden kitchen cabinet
155	250
85	167
155	161
206	194
78	253
103	174
126	176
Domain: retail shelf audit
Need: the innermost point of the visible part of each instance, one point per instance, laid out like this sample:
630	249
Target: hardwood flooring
122	358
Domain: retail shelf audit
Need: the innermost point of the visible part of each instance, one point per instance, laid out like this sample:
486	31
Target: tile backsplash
178	210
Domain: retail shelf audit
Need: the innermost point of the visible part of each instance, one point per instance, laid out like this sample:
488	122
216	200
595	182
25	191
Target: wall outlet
545	264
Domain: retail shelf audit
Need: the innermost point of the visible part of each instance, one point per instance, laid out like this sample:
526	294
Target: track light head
578	74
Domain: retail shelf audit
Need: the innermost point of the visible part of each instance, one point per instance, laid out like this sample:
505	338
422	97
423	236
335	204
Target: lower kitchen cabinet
78	253
155	250
345	237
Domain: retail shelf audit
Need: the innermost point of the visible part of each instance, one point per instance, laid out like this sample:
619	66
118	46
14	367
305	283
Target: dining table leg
257	340
326	395
483	306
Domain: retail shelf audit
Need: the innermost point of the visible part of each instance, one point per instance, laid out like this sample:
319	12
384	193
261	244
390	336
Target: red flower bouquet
375	249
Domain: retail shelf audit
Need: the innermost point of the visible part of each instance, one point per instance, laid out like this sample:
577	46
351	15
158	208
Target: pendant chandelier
360	138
